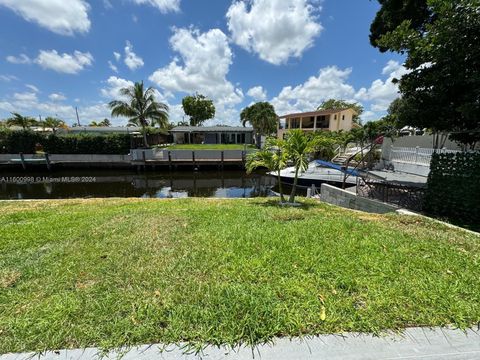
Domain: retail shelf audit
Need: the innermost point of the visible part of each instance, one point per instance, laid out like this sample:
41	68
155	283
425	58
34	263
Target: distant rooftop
216	129
106	129
314	113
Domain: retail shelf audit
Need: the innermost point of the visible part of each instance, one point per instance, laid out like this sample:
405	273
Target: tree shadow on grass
297	205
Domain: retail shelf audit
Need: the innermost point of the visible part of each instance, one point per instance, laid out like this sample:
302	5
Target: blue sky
56	55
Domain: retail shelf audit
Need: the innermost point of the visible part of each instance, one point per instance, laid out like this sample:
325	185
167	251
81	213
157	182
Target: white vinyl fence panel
415	155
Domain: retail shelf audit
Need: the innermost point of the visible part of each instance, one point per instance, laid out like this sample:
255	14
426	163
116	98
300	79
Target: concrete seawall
335	196
137	157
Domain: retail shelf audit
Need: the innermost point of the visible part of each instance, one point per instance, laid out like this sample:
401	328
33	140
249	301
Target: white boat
318	172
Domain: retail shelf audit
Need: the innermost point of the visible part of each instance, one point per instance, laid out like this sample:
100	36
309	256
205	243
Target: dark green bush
88	144
454	187
14	142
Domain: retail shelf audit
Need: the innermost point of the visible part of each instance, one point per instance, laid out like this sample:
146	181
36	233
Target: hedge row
454	187
14	142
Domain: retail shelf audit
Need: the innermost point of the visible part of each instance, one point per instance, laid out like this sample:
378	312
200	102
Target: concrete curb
414	343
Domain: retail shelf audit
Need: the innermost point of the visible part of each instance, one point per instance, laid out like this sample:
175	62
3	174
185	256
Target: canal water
123	183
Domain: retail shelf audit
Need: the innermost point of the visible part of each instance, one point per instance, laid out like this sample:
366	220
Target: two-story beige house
322	120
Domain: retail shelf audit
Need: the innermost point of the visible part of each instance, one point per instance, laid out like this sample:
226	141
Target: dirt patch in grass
9	278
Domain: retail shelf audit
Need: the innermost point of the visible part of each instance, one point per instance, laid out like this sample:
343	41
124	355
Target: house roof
215	129
106	129
315	113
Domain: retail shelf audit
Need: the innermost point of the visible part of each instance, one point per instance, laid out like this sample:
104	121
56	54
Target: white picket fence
415	155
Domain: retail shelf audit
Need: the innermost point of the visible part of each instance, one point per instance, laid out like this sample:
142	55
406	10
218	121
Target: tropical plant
298	147
199	108
141	108
274	158
326	142
263	119
54	124
25	122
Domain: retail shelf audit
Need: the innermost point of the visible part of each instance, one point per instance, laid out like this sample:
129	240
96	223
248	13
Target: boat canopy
343	169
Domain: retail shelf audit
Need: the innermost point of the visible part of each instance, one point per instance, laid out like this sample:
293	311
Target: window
295	123
335	118
282	124
323	122
343	117
307	123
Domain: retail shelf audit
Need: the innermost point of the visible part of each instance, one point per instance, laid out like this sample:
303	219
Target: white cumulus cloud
114	84
112	67
20	59
132	60
382	92
274	29
331	82
59	16
164	6
57	97
203	65
258	93
64	63
117	56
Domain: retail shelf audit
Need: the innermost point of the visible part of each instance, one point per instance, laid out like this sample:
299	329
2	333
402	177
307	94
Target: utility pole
78	119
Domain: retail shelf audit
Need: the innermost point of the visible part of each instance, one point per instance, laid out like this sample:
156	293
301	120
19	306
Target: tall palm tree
24	121
262	117
141	108
298	146
274	158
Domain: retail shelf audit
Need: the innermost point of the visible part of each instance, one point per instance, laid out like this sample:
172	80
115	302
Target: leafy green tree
298	146
141	109
199	108
105	122
54	124
392	13
332	104
25	122
274	158
263	119
441	91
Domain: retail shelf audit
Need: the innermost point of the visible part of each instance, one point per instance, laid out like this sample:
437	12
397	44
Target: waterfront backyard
120	272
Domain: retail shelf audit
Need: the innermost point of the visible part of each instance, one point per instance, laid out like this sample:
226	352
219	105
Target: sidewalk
415	343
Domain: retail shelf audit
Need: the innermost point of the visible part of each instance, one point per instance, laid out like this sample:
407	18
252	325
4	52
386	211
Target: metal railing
416	155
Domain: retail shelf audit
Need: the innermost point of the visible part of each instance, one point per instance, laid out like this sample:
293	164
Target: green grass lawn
210	147
108	273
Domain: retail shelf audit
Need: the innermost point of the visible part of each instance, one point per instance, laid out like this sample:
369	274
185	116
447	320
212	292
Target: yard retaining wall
335	196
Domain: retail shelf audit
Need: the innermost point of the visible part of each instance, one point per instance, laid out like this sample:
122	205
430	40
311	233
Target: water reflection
115	183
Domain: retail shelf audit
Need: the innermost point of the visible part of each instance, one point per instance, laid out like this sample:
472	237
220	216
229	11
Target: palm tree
54	124
298	147
274	158
262	117
141	108
24	121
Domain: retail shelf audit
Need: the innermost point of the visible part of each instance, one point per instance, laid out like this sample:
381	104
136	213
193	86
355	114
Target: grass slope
114	272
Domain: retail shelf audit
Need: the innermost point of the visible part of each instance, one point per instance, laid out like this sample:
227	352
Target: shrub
14	142
88	144
454	187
